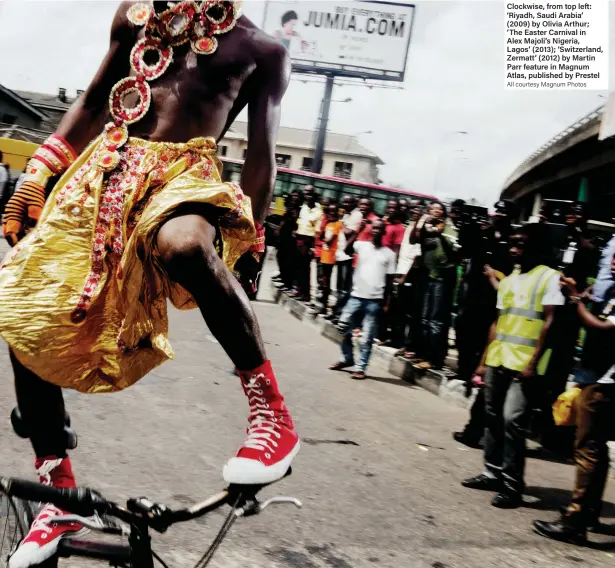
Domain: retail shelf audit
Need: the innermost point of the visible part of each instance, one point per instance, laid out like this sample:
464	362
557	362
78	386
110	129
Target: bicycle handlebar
86	502
77	500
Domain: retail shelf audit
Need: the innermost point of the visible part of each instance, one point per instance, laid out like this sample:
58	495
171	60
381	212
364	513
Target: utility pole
323	122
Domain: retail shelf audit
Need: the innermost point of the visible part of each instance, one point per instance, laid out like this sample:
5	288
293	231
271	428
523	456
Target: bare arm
388	290
349	250
259	170
587	318
85	118
480	370
590	320
530	370
330	239
491	276
415	235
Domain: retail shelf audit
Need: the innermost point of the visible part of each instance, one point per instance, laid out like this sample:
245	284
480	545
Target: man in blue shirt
604	280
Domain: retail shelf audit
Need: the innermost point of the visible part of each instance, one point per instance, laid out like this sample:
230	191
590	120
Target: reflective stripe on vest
519	326
516	340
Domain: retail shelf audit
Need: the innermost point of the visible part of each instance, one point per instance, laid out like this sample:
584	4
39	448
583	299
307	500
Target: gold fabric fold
83	297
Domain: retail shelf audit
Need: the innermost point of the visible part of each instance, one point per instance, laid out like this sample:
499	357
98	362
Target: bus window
380	206
353	190
380	199
326	188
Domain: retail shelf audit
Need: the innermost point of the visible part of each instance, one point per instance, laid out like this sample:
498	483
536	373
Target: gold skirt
83	297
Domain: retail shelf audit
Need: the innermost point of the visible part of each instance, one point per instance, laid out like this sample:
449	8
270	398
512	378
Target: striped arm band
259	243
28	195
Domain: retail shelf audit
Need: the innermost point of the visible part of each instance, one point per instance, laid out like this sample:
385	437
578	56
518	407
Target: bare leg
186	248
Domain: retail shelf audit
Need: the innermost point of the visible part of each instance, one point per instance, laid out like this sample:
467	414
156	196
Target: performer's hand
22	210
249	268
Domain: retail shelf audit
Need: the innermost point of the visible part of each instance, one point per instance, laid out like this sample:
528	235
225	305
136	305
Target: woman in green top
439	264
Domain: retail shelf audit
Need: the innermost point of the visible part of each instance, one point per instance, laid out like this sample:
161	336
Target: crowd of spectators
422	253
519	299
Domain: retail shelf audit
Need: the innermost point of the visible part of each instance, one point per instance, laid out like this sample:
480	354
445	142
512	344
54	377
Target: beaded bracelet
53	157
259	243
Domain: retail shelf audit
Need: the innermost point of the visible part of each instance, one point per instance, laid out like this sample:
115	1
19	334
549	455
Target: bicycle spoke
6	521
13	539
226	527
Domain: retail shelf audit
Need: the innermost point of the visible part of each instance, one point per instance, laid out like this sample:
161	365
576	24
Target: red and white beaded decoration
162	62
187	21
138	14
123	88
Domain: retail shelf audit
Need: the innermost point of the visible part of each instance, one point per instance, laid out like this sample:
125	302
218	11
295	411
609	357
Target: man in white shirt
352	222
371	293
310	217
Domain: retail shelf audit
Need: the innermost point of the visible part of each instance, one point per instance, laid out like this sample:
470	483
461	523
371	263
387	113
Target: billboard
353	39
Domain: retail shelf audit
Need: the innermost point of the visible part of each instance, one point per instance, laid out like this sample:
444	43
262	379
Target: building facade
344	156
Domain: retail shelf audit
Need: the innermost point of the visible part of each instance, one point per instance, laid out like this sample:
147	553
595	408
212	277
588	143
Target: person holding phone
595	407
578	259
439	261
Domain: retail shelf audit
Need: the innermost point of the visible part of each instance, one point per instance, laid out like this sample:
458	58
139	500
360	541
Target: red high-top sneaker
272	442
42	540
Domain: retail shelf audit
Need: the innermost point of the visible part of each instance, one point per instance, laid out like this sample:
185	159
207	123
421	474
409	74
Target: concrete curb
435	382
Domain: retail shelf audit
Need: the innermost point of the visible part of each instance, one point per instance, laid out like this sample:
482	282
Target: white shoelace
263	425
41	523
44	472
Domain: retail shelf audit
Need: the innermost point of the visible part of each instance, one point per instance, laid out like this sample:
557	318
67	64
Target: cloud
454	81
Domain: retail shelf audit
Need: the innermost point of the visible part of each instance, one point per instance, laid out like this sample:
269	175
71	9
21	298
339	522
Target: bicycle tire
16	516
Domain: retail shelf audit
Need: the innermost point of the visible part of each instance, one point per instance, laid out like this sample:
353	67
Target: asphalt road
378	472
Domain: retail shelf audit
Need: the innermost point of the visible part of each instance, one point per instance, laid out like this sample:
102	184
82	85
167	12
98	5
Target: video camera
562	249
555	211
474	214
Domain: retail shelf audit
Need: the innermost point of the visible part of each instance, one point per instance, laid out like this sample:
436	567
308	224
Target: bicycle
93	511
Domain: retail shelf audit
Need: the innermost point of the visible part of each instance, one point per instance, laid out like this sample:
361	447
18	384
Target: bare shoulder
122	28
269	54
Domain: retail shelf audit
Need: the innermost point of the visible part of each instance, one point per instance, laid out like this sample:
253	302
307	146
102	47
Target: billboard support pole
323	122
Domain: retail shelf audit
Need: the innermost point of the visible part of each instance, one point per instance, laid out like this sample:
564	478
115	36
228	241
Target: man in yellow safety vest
513	361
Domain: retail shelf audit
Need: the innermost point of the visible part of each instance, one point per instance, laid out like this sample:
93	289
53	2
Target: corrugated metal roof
302	138
45	100
24	102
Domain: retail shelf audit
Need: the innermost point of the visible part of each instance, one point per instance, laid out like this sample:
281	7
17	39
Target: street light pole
323	122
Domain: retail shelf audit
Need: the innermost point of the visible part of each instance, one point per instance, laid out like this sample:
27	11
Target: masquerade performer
139	215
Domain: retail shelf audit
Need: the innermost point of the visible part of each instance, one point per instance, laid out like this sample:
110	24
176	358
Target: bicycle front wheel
15	519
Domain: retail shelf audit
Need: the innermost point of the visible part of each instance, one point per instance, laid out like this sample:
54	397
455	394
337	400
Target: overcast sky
454	82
